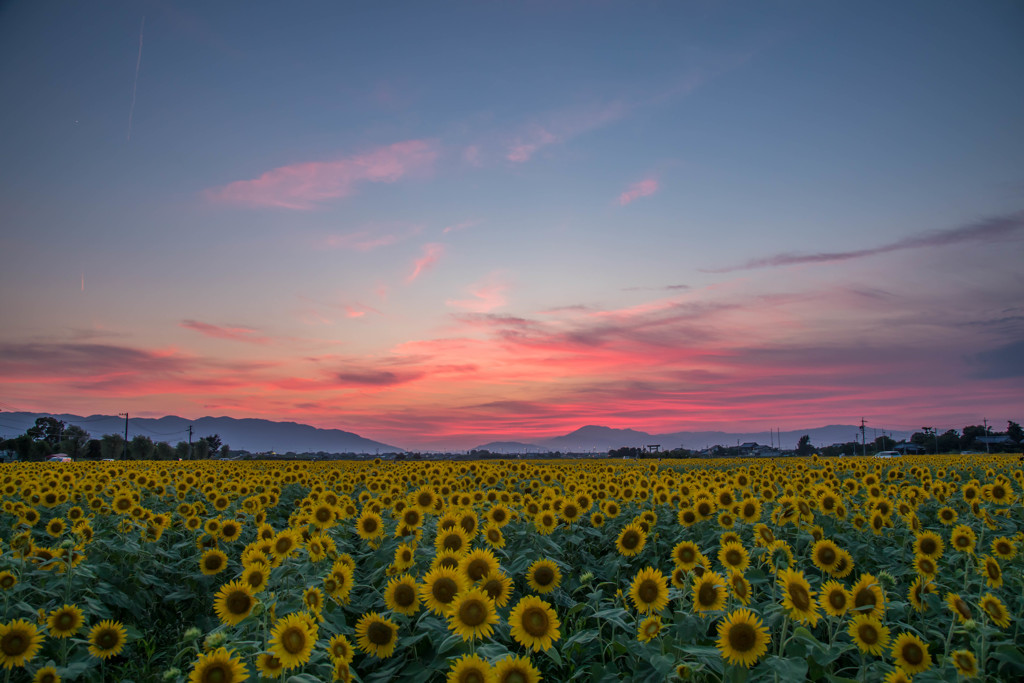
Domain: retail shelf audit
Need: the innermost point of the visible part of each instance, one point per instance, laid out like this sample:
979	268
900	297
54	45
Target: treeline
50	436
971	438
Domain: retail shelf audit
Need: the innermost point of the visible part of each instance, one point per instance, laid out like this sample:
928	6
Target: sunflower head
218	666
534	624
910	653
470	669
65	621
292	639
543	576
107	639
869	634
797	597
19	643
631	540
516	670
649	591
742	638
709	592
472	614
376	636
402	595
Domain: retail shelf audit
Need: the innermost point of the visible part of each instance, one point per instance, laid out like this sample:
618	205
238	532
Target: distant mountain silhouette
247	434
511	447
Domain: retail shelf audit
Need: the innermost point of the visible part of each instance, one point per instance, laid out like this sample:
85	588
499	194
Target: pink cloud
524	148
359	310
644	188
460	226
486	296
234	333
363	240
304	185
562	126
431	253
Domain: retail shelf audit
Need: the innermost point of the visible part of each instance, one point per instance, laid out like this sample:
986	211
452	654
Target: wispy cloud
432	251
371	237
358	310
643	188
460	226
230	332
487	295
303	186
561	126
662	288
987	230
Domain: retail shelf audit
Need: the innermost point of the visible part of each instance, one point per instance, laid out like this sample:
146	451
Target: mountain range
257	435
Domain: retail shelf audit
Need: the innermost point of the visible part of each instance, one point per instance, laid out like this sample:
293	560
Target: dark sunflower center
837	599
218	673
544	576
733	557
515	676
283	546
993	570
498	516
13	644
687	555
649	591
630	540
471	676
405	596
65	621
742	637
477	569
913	654
826	556
535	622
799	596
472	613
238	603
707	594
293	640
963	609
369	525
926	566
444	590
379	633
453	542
928	546
868	634
865	598
107	640
323	515
424	500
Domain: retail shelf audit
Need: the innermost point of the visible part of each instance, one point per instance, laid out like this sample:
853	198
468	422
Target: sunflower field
513	571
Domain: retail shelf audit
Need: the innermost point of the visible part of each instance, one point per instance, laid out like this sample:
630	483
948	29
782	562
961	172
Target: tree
803	446
47	429
1014	431
94	449
213	441
949	441
112	446
163	451
74	441
201	450
884	443
969	434
225	451
140	447
181	450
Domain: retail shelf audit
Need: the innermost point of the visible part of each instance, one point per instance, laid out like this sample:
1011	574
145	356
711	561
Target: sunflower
995	610
405	556
472	615
648	629
708	592
493	536
439	588
959	607
1004	548
470	669
339	583
218	666
825	554
543	576
402	595
733	556
340	650
478	564
686	554
375	635
992	572
47	674
313	599
869	634
798	597
213	561
516	670
834	598
269	666
631	540
369	525
65	621
292	639
897	675
925	566
963	538
8	581
947	516
255	576
965	663
868	597
742	639
928	544
107	639
19	642
649	591
534	624
740	587
911	653
233	602
453	538
498	587
844	566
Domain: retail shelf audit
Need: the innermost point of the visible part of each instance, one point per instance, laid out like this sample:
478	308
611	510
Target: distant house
909	448
997	440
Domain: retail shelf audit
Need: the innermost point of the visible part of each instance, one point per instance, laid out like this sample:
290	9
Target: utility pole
985	420
863	438
190	442
125	455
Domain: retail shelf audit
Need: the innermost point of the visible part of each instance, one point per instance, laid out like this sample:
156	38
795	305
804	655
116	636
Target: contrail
135	85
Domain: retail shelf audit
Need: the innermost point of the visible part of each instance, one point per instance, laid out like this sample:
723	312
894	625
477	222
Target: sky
422	221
